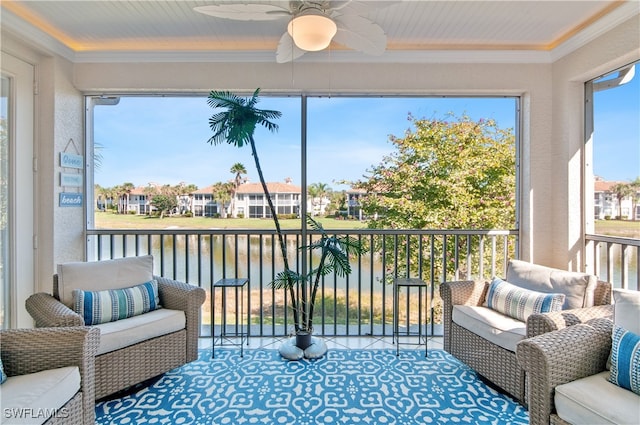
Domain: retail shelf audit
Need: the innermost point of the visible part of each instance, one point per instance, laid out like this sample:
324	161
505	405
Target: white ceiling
113	30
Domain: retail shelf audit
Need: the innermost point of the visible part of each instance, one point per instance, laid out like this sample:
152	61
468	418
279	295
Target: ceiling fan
313	24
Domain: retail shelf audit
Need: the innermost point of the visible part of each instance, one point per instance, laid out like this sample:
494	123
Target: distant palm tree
319	190
238	169
635	196
126	189
622	190
235	125
222	193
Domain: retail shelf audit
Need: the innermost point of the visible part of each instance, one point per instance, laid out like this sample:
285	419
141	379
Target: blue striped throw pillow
520	303
3	376
625	359
114	304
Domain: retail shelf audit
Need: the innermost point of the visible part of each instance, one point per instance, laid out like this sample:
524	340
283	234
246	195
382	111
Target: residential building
607	205
250	200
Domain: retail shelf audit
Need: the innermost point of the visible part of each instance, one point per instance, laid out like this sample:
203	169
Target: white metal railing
616	260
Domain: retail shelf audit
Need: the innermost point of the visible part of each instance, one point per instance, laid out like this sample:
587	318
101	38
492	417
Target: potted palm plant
333	253
234	123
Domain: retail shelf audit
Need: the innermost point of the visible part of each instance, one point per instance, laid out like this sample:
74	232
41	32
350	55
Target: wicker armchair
495	363
119	369
26	351
559	357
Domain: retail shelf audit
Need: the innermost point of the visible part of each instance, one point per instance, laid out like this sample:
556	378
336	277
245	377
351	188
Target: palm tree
238	169
622	190
235	125
222	193
320	190
635	196
125	189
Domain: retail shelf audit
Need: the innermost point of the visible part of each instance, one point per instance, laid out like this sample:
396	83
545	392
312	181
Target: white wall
561	243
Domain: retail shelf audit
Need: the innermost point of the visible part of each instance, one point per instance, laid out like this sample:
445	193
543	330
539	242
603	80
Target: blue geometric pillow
625	359
518	302
3	376
114	304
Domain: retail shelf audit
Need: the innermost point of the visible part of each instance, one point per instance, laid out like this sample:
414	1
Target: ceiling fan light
312	31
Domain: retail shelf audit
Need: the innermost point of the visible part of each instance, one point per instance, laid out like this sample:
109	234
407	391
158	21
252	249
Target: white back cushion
626	309
578	288
100	275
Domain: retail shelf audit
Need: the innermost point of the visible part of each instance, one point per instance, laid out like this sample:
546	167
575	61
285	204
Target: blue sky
164	139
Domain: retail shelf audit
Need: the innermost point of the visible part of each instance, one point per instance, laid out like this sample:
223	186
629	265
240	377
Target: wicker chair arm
188	298
463	292
559	357
179	295
49	312
26	351
538	324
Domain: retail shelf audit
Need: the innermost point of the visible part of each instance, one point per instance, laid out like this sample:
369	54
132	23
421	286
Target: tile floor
353	342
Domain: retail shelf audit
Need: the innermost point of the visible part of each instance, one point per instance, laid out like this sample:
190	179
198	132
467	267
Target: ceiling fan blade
244	11
358	33
287	50
354	7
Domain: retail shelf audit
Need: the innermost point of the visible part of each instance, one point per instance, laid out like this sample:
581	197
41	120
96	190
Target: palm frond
314	225
286	278
324	270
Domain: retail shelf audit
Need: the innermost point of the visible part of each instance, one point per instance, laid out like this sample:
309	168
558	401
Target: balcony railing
616	260
358	304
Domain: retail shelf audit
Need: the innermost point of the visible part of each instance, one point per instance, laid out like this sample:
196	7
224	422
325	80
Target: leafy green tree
164	203
457	174
238	170
444	174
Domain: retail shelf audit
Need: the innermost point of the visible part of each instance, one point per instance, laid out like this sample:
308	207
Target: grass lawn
623	228
108	220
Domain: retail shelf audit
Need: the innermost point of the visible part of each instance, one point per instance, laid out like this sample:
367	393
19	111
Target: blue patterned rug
345	387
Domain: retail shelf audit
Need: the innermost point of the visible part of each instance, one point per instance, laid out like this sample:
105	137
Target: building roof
274	187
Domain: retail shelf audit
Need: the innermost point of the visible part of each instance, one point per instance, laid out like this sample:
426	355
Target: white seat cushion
126	332
594	400
35	397
491	325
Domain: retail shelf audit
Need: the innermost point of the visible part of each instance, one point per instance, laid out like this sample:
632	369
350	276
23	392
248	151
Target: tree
223	193
457	174
150	191
318	191
622	190
184	191
235	124
454	174
635	196
125	190
239	170
164	203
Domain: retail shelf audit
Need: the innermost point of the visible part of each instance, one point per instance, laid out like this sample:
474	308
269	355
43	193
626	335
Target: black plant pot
303	340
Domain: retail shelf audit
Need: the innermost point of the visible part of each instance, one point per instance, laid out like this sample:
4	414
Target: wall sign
72	180
70	199
70	160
